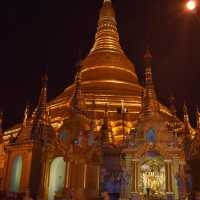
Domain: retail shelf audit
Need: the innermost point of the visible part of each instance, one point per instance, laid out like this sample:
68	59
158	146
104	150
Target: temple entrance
16	174
111	173
152	177
56	177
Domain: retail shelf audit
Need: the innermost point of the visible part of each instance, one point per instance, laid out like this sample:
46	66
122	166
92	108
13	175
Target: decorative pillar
46	162
67	180
168	171
98	178
43	177
127	171
176	173
182	182
135	179
85	176
47	176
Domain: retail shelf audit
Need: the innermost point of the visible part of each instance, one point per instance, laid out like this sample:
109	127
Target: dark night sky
35	34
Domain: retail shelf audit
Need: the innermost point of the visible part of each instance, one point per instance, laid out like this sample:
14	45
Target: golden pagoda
94	137
108	77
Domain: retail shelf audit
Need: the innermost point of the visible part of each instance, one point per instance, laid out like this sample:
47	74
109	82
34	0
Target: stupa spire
149	100
185	112
42	104
187	125
26	114
77	99
40	113
172	105
106	69
25	132
107	37
148	71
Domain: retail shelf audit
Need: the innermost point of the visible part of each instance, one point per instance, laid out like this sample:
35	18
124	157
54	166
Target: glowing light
56	177
191	5
16	174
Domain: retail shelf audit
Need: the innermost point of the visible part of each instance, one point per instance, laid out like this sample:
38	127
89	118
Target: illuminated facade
105	132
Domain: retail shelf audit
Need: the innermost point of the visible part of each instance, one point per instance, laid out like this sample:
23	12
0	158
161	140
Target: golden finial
40	111
172	104
185	109
77	100
150	103
26	113
77	92
148	72
188	127
185	113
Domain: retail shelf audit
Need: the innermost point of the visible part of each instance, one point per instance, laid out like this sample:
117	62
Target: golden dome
106	68
107	75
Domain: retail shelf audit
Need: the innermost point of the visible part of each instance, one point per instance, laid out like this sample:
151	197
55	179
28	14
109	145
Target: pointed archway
16	174
56	177
152	175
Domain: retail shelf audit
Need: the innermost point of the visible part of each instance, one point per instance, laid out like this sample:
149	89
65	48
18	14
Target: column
135	179
176	173
67	180
47	175
168	171
85	176
126	187
98	178
44	182
183	187
44	177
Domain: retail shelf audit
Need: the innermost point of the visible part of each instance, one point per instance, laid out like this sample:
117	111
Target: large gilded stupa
104	135
108	77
